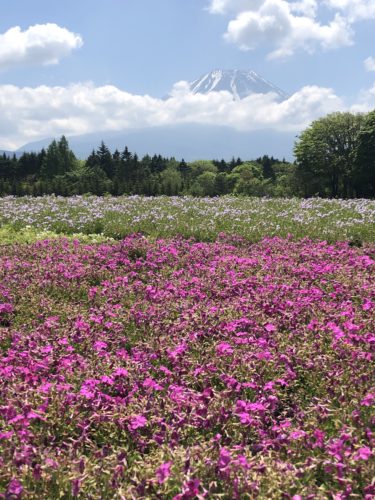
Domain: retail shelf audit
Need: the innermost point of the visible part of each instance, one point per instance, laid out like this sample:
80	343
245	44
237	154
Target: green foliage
326	153
364	173
59	159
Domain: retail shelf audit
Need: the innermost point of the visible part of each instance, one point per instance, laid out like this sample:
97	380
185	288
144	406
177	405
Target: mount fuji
239	83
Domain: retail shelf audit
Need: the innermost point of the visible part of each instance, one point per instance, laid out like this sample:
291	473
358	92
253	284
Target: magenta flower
270	327
137	422
120	372
150	383
363	453
45	388
225	458
6	308
368	400
100	346
76	486
298	434
224	349
107	380
14	487
163	472
88	393
6	434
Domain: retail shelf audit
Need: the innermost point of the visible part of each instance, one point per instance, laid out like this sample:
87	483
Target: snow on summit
239	83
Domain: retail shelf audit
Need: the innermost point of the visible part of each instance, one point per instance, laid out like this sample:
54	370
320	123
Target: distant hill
8	153
190	142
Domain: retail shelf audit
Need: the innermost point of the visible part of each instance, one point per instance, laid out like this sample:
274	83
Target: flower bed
181	369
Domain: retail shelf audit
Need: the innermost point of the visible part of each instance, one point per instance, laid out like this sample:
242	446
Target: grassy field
203	219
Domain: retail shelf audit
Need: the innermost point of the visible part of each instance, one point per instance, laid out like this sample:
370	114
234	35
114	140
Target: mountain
191	142
239	83
8	153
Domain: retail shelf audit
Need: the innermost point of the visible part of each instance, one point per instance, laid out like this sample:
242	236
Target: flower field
178	368
201	218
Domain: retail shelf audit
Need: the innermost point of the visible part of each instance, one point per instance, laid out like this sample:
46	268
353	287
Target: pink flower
150	383
270	327
120	372
242	461
45	388
137	422
190	489
245	418
224	349
163	472
32	415
256	407
6	308
367	305
6	435
224	458
47	349
177	351
107	380
100	346
85	391
297	434
76	486
14	487
337	332
52	321
368	400
363	453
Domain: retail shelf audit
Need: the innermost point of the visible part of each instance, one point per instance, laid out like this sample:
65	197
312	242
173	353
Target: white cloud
307	8
39	44
354	10
365	101
274	23
45	111
369	64
224	6
291	26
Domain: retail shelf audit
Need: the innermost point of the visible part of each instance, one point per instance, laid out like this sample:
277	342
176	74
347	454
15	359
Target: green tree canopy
365	158
326	152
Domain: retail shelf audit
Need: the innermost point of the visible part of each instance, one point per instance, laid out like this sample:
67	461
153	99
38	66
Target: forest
334	158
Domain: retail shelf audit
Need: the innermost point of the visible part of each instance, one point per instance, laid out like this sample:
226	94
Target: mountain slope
239	83
191	142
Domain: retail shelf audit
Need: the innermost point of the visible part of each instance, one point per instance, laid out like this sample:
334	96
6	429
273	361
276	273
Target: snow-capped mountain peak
239	83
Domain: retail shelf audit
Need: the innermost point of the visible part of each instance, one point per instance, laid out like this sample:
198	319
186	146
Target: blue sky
90	56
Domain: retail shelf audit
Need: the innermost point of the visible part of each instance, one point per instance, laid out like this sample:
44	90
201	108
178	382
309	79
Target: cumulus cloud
354	10
291	26
275	23
40	44
369	64
46	111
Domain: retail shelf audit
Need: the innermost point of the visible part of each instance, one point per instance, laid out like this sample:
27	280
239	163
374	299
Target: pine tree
105	160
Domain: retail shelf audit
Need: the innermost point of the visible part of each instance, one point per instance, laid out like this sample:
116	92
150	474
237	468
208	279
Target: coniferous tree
105	160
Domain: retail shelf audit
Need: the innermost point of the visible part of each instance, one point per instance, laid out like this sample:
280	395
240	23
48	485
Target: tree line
335	157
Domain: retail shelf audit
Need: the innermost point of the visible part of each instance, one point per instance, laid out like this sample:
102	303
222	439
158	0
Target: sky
75	67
